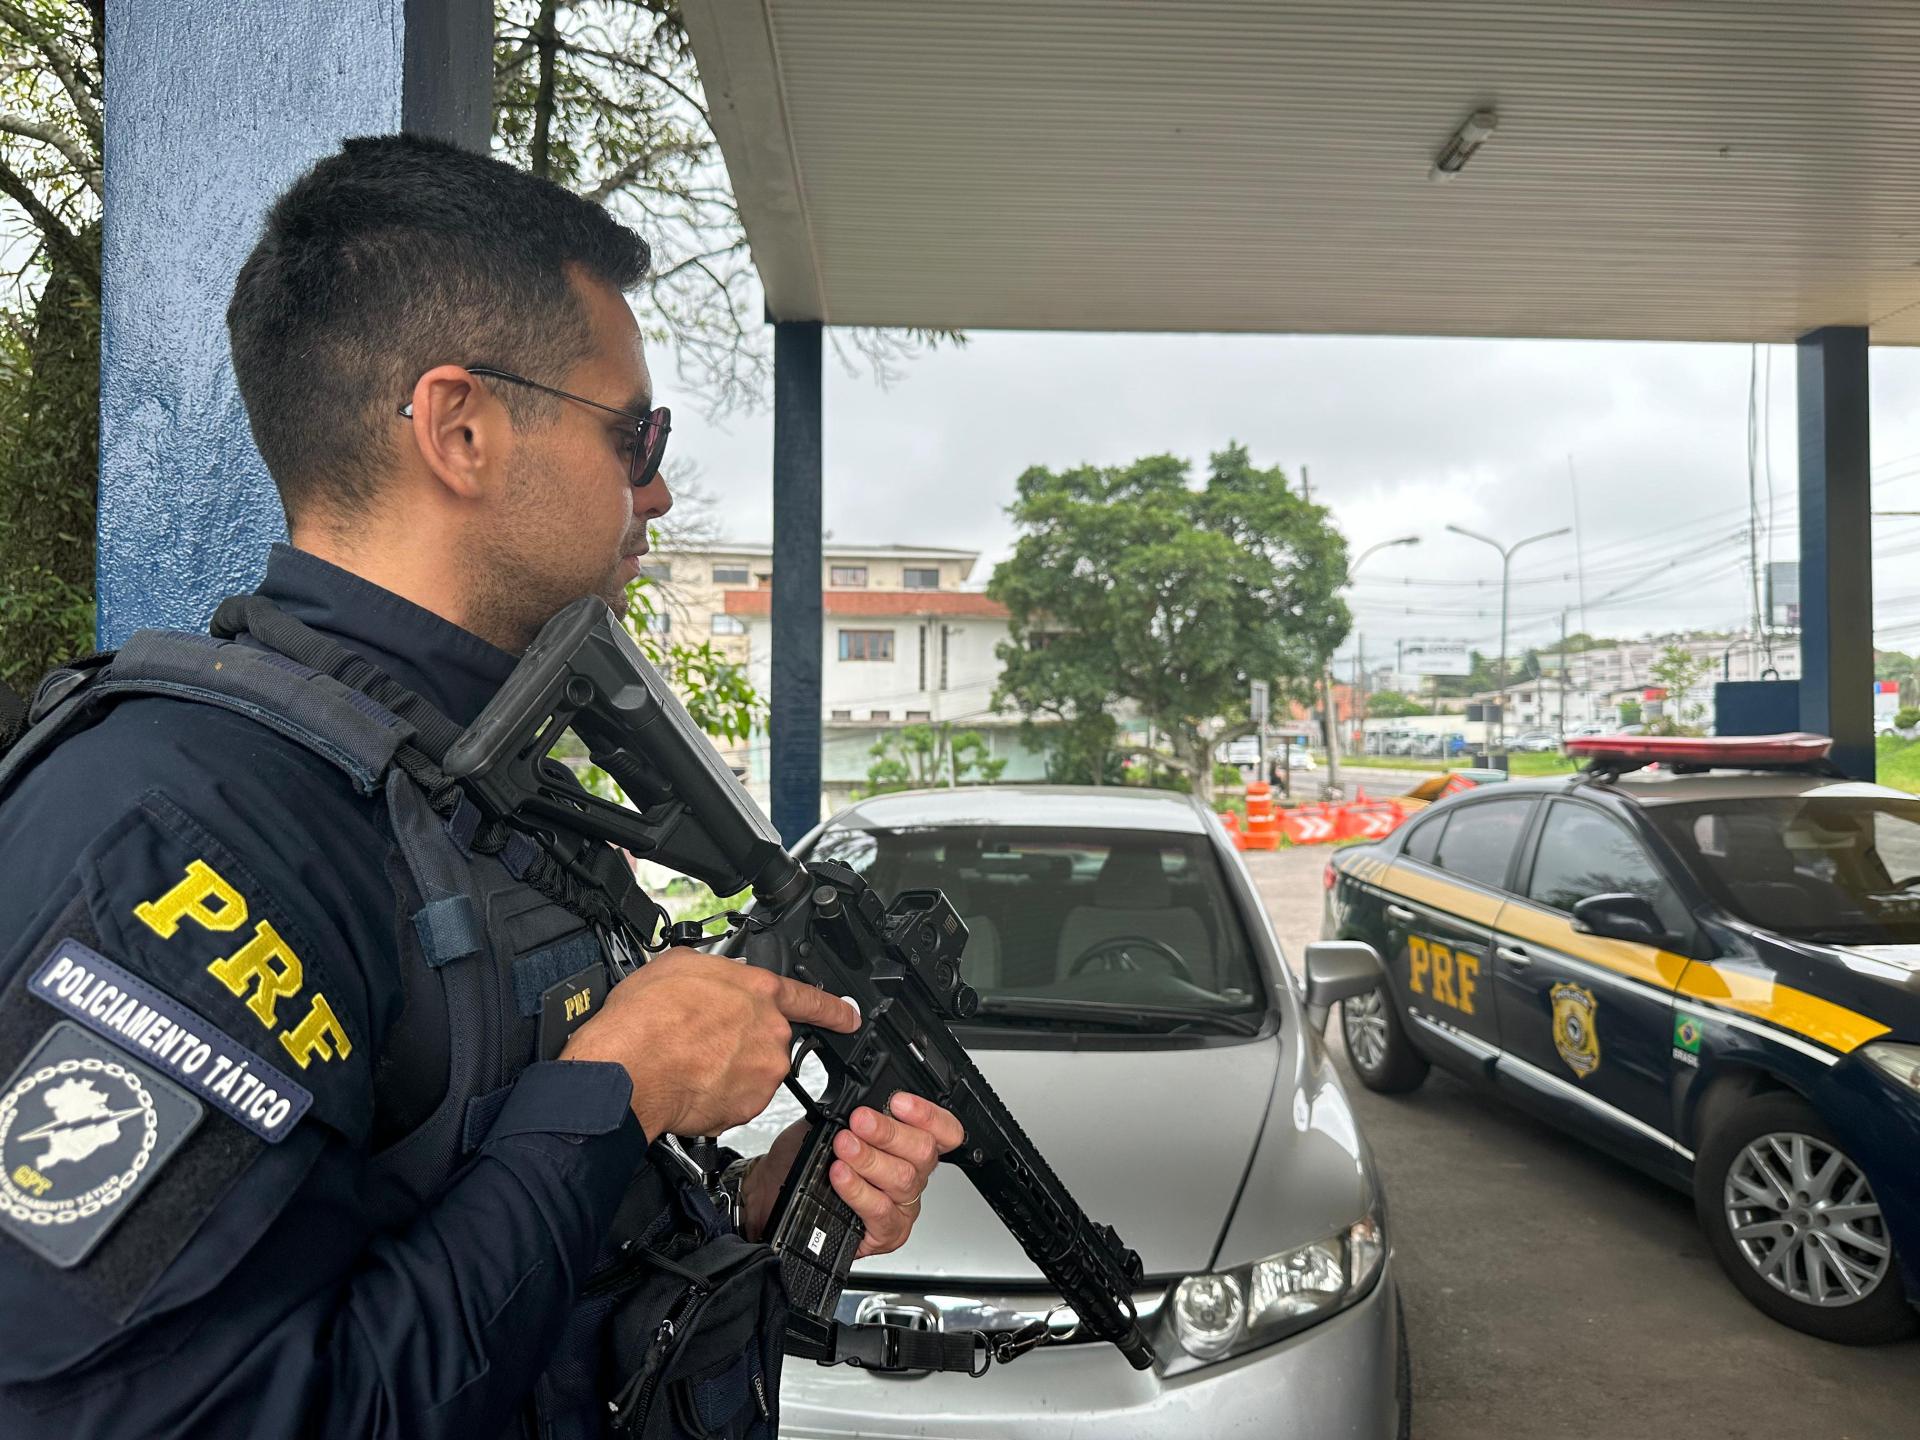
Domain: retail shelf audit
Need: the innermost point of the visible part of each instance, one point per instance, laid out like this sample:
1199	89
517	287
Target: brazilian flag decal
1686	1034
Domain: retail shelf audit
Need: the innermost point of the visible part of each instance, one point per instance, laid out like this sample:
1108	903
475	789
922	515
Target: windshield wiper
1120	1015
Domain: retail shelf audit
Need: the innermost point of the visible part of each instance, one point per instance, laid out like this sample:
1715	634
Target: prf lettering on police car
263	971
1448	976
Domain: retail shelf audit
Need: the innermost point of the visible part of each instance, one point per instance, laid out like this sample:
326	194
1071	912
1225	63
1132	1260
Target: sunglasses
650	431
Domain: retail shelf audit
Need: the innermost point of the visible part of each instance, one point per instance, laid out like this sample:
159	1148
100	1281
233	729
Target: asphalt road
1553	1292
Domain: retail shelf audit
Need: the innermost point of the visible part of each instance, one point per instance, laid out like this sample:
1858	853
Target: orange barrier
1231	820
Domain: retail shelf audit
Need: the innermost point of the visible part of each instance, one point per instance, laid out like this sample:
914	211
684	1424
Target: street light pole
1326	674
1507	553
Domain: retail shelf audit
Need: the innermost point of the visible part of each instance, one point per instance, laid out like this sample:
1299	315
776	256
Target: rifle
820	923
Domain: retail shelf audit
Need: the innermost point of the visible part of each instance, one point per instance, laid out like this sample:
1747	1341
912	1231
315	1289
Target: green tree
1130	583
1677	670
50	145
1629	712
1392	704
920	757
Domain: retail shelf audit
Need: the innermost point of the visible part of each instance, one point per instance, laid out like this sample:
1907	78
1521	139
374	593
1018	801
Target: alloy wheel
1804	1217
1364	1023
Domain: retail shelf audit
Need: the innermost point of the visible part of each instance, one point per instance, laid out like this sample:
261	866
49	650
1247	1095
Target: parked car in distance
1138	1019
1708	971
1536	742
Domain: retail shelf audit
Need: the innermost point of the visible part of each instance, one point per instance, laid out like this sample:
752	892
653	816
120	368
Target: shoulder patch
276	994
188	1048
84	1128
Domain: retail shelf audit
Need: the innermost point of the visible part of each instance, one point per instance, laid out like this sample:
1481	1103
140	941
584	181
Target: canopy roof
1672	169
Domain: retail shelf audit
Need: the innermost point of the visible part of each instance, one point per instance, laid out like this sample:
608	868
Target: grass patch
1897	763
1547	762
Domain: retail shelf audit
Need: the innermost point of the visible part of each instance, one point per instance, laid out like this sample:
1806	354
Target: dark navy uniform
240	1273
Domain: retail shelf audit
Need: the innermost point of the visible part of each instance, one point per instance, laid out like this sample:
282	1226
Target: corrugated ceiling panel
1702	169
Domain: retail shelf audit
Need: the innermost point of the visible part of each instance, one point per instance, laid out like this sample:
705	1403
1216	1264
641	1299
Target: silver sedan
1140	1022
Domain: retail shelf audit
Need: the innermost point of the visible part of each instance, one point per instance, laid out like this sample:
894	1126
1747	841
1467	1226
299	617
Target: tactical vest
497	923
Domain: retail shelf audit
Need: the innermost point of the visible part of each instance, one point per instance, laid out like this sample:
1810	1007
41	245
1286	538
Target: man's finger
923	1114
809	1006
901	1179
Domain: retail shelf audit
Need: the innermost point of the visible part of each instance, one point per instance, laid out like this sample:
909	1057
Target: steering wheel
1118	954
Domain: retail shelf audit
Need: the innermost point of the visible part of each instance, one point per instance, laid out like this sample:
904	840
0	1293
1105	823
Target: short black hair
393	256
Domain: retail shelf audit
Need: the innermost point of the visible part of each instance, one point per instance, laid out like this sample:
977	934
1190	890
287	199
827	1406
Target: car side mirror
1620	917
1339	970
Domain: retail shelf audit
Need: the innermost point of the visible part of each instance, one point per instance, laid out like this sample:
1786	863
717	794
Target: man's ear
461	430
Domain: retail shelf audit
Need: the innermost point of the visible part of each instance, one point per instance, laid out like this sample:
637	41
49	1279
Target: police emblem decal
1575	1034
84	1128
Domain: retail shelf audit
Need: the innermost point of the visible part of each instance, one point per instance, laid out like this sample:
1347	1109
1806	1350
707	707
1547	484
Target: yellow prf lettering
1419	959
1466	978
577	1004
1443	976
188	901
319	1034
266	964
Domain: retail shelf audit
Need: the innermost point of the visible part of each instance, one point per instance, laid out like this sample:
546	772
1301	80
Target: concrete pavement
1552	1292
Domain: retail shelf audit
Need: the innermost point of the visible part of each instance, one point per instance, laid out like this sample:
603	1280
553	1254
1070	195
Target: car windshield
1841	869
1096	931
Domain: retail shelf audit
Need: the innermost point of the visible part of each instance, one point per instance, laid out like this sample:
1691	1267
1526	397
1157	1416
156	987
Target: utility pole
1563	679
1507	553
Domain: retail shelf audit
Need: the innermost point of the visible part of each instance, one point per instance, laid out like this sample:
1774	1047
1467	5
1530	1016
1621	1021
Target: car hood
1155	1143
1882	982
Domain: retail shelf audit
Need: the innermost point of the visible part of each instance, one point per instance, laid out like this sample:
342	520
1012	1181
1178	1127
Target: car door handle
1400	913
1514	955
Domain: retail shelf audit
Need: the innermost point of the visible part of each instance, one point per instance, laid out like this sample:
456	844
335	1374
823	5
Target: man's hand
881	1168
704	1039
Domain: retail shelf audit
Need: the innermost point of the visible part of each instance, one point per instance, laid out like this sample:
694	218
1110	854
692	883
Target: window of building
1479	840
866	644
919	715
659	623
847	575
660	571
729	625
841	715
880	715
916	578
731	575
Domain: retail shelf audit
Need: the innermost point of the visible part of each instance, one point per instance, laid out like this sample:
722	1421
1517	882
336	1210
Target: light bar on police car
1733	751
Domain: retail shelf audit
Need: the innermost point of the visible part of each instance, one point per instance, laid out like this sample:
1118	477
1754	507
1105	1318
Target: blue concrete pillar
1836	546
794	726
212	109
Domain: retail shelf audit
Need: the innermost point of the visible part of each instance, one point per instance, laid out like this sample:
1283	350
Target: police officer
210	1030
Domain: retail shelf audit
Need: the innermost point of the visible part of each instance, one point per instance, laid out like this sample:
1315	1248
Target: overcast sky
1399	436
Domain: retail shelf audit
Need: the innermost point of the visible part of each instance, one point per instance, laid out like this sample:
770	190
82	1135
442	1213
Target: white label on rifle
817	1241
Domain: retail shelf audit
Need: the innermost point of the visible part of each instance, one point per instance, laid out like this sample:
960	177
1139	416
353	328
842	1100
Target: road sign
1260	703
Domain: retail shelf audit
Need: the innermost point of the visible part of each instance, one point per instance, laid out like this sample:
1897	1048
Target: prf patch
84	1128
263	970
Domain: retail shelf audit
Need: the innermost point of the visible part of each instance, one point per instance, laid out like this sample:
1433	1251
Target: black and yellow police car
1702	955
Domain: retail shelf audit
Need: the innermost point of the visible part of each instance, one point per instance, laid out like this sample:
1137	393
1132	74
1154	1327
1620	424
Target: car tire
1377	1044
1753	1154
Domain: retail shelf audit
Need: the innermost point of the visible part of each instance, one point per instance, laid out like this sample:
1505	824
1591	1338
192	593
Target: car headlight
1228	1312
1900	1062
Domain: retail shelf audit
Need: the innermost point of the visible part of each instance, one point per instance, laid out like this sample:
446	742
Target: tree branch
73	78
60	241
83	163
543	38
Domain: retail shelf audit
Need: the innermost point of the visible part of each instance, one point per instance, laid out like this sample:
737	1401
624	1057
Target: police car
1704	957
